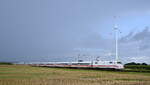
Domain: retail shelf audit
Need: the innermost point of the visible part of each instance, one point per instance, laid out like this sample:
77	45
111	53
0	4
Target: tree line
133	63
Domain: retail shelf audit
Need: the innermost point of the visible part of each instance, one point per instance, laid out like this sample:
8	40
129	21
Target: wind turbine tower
116	41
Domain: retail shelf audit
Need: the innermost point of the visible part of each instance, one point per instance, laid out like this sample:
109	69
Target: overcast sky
48	30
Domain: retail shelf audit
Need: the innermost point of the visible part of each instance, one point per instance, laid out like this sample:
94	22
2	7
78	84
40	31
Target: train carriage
84	64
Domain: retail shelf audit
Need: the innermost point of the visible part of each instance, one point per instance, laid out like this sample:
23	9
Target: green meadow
27	75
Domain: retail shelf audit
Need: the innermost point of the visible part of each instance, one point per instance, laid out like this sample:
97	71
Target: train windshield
119	63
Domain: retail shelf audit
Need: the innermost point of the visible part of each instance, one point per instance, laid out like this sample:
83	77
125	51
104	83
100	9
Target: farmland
27	75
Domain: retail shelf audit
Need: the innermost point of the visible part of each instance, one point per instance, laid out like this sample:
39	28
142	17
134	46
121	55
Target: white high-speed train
86	64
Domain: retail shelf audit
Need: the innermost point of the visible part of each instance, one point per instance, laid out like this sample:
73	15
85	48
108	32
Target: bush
5	63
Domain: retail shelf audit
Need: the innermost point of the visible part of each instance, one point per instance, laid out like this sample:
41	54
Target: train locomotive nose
120	66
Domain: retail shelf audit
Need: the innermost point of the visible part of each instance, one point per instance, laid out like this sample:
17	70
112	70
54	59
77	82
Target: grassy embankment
27	75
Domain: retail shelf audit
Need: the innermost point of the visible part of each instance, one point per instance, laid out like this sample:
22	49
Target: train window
118	62
74	63
110	62
80	60
84	63
65	63
96	62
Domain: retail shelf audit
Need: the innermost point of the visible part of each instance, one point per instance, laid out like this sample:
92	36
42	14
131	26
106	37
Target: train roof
67	62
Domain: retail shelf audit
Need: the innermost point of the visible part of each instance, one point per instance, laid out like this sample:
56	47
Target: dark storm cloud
144	35
126	38
142	38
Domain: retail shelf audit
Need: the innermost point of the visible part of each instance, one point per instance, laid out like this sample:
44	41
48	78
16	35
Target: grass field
27	75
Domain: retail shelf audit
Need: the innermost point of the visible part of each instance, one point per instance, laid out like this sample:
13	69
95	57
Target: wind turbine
117	31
